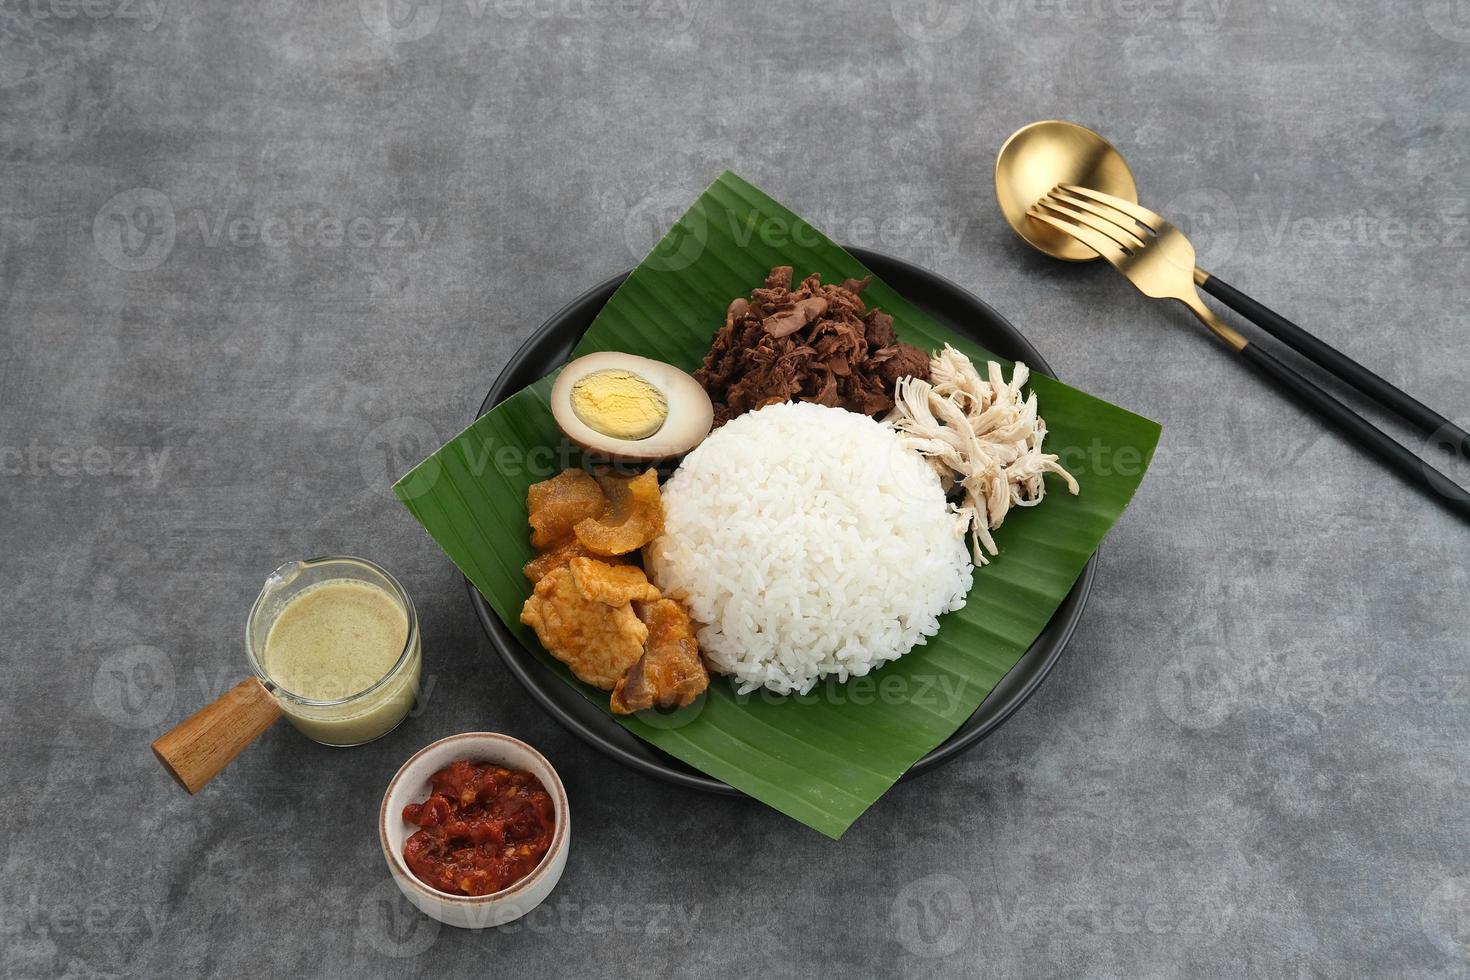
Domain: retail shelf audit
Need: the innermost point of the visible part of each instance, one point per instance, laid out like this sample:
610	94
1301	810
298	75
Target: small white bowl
411	785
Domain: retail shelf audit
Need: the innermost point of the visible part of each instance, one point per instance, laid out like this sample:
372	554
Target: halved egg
630	408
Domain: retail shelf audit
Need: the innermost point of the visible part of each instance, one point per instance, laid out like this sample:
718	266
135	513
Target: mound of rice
807	542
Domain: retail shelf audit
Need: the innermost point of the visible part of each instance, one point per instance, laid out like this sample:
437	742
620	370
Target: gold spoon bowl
1044	154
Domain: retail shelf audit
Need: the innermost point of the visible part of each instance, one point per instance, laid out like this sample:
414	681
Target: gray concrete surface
1251	762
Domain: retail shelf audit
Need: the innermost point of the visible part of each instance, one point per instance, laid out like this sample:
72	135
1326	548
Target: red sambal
484	828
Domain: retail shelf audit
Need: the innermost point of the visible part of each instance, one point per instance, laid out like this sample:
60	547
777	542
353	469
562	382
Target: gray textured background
1253	759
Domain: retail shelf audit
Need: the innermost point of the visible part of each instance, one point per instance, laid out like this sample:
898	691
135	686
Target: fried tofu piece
557	505
671	673
634	515
612	585
582	607
599	642
561	555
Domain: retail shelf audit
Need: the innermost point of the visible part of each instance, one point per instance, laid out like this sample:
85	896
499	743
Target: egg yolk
619	404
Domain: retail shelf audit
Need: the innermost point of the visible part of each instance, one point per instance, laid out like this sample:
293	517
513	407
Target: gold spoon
1044	154
1039	174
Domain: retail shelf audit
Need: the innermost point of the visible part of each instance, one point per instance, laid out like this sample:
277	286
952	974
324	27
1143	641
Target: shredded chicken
981	436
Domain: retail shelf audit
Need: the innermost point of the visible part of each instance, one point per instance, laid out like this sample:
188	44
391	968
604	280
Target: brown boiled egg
631	408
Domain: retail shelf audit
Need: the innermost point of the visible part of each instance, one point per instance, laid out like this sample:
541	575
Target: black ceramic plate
549	348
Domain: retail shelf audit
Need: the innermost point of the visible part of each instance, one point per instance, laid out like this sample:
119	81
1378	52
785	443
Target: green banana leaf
825	757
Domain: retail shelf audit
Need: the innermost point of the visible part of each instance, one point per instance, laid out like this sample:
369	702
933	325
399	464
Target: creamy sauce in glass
335	639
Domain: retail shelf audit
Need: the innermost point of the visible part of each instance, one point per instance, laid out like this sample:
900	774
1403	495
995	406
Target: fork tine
1138	213
1124	222
1095	240
1123	236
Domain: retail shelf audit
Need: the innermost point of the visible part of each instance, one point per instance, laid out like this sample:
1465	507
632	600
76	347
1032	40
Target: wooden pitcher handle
196	749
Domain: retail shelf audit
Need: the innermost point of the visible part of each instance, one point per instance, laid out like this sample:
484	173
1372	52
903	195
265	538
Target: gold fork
1159	260
1161	265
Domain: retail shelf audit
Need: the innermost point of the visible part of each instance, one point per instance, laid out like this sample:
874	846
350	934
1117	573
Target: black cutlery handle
1368	437
1407	406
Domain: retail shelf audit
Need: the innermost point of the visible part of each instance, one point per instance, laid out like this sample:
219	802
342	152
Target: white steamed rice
807	542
